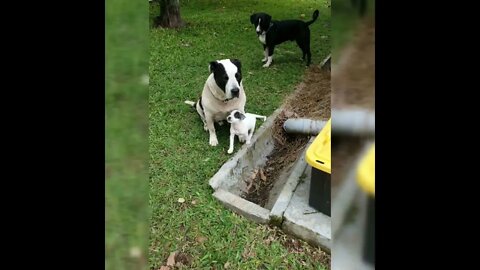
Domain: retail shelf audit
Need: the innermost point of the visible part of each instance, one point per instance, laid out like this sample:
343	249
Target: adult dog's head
228	76
261	21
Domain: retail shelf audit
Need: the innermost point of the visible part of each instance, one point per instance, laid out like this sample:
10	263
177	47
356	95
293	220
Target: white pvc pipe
357	122
303	126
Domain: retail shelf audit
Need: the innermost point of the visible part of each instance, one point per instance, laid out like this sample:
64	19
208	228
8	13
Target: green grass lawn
126	164
181	160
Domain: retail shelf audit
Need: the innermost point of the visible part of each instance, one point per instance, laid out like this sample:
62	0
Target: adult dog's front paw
230	150
266	65
264	60
213	141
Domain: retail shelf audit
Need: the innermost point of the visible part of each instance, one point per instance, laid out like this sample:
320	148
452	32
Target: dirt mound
311	99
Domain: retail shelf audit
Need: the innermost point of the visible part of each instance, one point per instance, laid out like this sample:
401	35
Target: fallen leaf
262	175
194	202
183	259
171	259
201	239
302	15
221	54
135	252
288	114
249	188
181	200
164	268
254	174
226	265
144	79
251	73
248	253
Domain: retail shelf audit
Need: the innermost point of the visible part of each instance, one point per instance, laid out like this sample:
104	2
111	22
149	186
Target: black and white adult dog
222	93
271	33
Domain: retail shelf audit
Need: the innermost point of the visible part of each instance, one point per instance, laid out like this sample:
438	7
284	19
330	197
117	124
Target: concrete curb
283	199
242	207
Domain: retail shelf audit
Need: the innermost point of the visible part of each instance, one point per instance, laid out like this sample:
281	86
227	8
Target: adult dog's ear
268	19
237	63
253	18
212	66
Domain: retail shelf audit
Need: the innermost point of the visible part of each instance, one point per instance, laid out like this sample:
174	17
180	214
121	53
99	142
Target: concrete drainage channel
287	205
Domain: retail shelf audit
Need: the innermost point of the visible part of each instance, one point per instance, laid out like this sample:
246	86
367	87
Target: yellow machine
366	180
318	155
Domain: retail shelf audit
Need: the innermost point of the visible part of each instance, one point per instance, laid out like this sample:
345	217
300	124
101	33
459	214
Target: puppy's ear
237	63
239	115
268	19
253	18
212	66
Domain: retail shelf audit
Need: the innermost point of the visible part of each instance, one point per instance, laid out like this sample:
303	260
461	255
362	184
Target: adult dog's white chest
262	38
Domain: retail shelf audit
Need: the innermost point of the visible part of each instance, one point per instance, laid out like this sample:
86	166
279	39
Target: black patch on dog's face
219	73
265	20
238	75
239	115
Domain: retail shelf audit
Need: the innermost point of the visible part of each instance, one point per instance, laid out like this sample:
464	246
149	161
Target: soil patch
311	99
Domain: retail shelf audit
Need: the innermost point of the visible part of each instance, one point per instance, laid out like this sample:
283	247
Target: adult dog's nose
235	92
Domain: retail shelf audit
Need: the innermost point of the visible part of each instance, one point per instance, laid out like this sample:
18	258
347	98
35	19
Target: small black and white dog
243	126
271	33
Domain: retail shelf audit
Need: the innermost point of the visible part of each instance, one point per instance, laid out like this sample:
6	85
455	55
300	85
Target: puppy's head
261	21
235	116
228	76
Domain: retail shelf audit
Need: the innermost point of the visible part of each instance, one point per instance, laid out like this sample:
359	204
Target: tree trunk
360	5
170	14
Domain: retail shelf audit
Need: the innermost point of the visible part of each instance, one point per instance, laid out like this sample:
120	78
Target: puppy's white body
243	128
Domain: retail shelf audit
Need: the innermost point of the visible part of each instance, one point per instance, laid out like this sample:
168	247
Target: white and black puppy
271	33
222	93
243	126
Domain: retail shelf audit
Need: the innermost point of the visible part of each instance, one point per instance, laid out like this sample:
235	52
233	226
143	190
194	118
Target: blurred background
353	127
126	164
